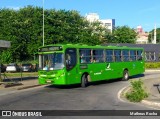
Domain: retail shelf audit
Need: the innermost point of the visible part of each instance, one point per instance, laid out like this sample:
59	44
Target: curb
18	89
121	92
155	104
10	84
125	89
26	87
151	70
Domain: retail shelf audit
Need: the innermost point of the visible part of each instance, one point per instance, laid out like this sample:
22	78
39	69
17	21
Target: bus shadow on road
137	76
104	82
73	86
114	80
63	86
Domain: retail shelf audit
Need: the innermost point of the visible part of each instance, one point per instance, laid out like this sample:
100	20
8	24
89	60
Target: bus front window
52	61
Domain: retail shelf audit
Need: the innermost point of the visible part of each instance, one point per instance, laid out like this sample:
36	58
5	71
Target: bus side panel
105	71
130	66
97	71
137	67
117	68
134	68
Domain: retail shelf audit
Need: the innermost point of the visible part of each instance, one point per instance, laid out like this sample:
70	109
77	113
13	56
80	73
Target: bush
149	65
6	57
137	93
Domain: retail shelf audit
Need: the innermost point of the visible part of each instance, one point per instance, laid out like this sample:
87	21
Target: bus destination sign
51	48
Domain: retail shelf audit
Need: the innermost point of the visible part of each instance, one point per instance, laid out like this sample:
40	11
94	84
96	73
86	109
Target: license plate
48	81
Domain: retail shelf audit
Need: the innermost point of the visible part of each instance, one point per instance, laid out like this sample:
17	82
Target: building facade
142	37
107	23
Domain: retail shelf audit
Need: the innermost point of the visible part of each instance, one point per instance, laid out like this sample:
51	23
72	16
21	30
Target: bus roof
89	46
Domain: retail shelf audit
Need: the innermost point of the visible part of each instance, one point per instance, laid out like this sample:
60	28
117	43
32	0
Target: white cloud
13	7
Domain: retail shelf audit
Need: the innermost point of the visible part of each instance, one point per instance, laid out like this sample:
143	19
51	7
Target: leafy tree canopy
24	28
124	34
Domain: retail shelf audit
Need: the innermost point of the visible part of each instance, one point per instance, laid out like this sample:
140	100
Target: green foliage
123	34
149	65
151	35
24	27
69	27
137	92
6	57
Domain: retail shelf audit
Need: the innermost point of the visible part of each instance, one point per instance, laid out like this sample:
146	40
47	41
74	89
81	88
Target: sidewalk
154	94
24	83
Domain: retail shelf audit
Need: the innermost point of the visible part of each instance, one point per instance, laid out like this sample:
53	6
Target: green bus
67	64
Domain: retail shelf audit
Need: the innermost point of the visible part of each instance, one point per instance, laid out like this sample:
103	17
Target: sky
132	13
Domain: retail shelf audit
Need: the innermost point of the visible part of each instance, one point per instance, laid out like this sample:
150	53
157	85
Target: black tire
125	75
84	81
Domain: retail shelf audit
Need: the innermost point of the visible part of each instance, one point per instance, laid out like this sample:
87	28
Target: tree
123	34
23	28
6	56
151	35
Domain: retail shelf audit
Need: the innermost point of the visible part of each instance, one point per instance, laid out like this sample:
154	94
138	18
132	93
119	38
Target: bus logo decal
108	67
98	73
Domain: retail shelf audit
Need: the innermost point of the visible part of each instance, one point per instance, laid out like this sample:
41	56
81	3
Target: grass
18	74
150	65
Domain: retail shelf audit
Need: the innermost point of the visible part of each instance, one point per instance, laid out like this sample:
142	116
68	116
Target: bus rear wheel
125	75
84	81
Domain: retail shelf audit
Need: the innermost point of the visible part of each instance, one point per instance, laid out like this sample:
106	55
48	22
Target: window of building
150	56
147	57
107	24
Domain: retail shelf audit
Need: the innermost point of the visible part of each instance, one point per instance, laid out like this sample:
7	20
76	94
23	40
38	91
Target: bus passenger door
71	66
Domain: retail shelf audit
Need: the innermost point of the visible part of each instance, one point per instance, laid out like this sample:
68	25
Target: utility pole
43	22
155	37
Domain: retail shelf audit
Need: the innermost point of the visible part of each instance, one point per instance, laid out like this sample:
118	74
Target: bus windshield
52	61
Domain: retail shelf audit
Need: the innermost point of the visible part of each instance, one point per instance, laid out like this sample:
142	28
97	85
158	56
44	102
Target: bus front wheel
84	81
125	75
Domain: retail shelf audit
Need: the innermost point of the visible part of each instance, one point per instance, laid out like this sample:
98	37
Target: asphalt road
98	96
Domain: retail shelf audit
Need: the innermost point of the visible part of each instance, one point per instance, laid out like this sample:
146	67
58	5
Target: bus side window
98	55
139	55
125	54
85	55
82	59
109	56
117	54
132	55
